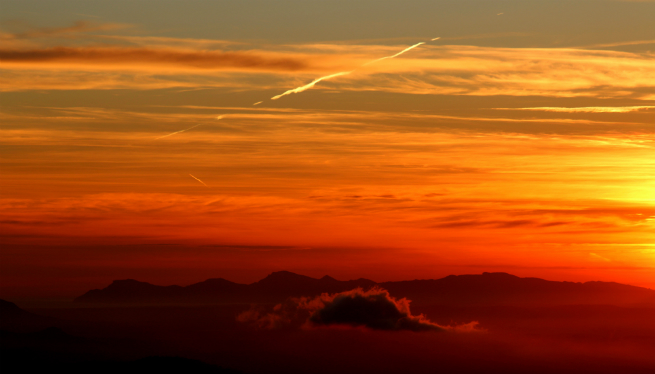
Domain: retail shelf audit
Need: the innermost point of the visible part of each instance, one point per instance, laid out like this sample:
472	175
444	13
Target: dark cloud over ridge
374	309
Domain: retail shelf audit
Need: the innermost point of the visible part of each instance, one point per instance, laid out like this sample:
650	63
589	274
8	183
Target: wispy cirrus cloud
594	109
620	44
30	32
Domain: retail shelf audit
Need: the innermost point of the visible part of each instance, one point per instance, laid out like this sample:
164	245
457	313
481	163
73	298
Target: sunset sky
522	140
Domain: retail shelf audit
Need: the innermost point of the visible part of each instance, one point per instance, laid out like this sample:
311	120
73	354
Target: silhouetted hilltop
472	289
13	318
11	310
283	284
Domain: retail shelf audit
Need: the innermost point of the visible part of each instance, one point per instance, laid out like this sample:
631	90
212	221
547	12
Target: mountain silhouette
503	288
472	289
276	287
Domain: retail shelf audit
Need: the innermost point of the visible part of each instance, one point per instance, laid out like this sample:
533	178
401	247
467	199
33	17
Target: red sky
504	145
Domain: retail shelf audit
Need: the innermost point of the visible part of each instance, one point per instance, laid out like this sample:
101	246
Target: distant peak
127	281
284	276
211	280
499	274
328	278
282	272
7	304
9	307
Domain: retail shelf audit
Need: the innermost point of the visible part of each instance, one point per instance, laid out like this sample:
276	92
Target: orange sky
517	149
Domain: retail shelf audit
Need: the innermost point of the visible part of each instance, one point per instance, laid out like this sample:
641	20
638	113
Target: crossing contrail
177	132
313	83
199	180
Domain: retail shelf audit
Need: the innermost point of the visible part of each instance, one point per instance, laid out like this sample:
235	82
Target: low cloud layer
373	309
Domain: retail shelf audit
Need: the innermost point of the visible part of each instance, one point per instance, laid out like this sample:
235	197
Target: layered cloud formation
432	69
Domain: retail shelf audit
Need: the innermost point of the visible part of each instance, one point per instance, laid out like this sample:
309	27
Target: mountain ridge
466	289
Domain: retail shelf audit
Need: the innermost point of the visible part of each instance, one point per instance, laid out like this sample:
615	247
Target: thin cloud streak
620	44
177	132
77	27
199	180
594	109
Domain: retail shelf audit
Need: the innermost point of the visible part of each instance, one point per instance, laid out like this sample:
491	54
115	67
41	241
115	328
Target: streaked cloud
620	44
147	58
436	70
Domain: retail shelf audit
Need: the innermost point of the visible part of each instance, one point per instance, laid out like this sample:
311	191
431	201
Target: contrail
199	180
313	83
177	132
310	85
396	55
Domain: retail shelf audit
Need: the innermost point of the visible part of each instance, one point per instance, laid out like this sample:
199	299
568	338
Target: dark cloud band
124	57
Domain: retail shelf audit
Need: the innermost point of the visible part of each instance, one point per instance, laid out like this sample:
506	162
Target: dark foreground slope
27	347
511	339
478	289
40	361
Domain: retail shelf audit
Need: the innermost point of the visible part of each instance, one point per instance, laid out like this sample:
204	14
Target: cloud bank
374	309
